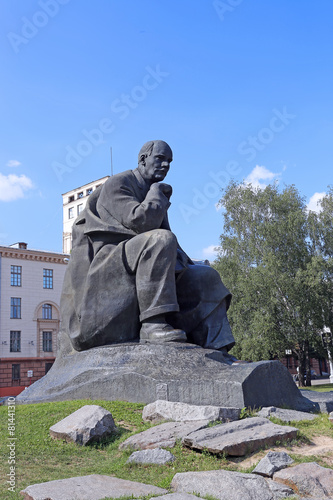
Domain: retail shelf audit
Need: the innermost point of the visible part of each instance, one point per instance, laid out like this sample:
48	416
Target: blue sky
239	89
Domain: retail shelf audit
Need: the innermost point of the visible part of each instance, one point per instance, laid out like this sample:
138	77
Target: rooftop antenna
111	162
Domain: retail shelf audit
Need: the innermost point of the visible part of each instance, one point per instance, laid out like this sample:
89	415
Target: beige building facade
30	289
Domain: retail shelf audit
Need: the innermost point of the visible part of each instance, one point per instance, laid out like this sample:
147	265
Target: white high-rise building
73	203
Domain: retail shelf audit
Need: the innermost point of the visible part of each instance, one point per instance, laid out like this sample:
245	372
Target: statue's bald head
147	149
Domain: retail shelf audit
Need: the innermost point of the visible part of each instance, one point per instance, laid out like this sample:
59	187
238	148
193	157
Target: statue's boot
156	330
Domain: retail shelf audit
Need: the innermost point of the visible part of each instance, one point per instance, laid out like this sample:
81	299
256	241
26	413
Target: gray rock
272	462
183	412
323	400
162	436
147	372
330	417
155	456
308	479
226	485
285	415
94	487
239	438
89	423
279	490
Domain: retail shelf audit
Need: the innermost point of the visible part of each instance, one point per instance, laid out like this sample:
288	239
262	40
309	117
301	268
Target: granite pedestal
174	371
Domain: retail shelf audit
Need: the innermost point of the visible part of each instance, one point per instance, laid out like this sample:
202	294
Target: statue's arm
139	216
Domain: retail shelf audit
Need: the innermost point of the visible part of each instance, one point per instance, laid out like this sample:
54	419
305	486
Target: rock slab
272	462
182	412
94	487
91	423
162	436
226	485
322	400
173	371
285	415
308	479
239	438
156	456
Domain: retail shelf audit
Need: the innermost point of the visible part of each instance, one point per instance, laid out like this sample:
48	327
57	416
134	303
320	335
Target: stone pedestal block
173	372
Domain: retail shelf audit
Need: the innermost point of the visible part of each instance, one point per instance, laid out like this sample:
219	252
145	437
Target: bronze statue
128	279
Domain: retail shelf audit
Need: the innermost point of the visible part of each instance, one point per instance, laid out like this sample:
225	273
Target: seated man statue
128	279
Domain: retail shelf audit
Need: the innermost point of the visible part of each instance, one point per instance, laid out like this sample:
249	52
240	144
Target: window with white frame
15	308
15	275
15	341
47	311
47	278
47	341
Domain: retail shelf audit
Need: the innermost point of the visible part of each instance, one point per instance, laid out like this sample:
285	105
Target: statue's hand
166	189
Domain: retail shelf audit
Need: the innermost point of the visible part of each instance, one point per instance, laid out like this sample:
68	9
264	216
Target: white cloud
313	205
13	187
260	174
210	252
13	163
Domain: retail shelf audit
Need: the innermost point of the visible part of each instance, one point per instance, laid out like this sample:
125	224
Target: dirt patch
321	446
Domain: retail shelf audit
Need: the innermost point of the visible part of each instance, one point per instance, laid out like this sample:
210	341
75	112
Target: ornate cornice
20	254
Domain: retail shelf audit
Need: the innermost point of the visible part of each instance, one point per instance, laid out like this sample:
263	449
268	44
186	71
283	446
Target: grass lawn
40	458
319	388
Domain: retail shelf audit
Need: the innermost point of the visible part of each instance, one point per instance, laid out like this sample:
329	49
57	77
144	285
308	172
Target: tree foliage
276	258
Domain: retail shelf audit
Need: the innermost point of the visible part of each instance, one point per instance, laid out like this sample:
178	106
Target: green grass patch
320	426
319	388
40	458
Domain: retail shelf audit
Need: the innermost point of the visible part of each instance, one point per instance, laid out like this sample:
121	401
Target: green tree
275	272
322	237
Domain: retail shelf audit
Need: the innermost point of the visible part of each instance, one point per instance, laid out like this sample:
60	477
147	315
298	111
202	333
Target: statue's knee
163	237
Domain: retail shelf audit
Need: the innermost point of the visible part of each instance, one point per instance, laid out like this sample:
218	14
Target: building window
80	195
15	341
89	191
47	311
15	308
48	367
15	275
79	208
47	278
70	199
71	213
47	341
16	373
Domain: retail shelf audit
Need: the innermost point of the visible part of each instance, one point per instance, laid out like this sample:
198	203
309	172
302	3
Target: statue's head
154	160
